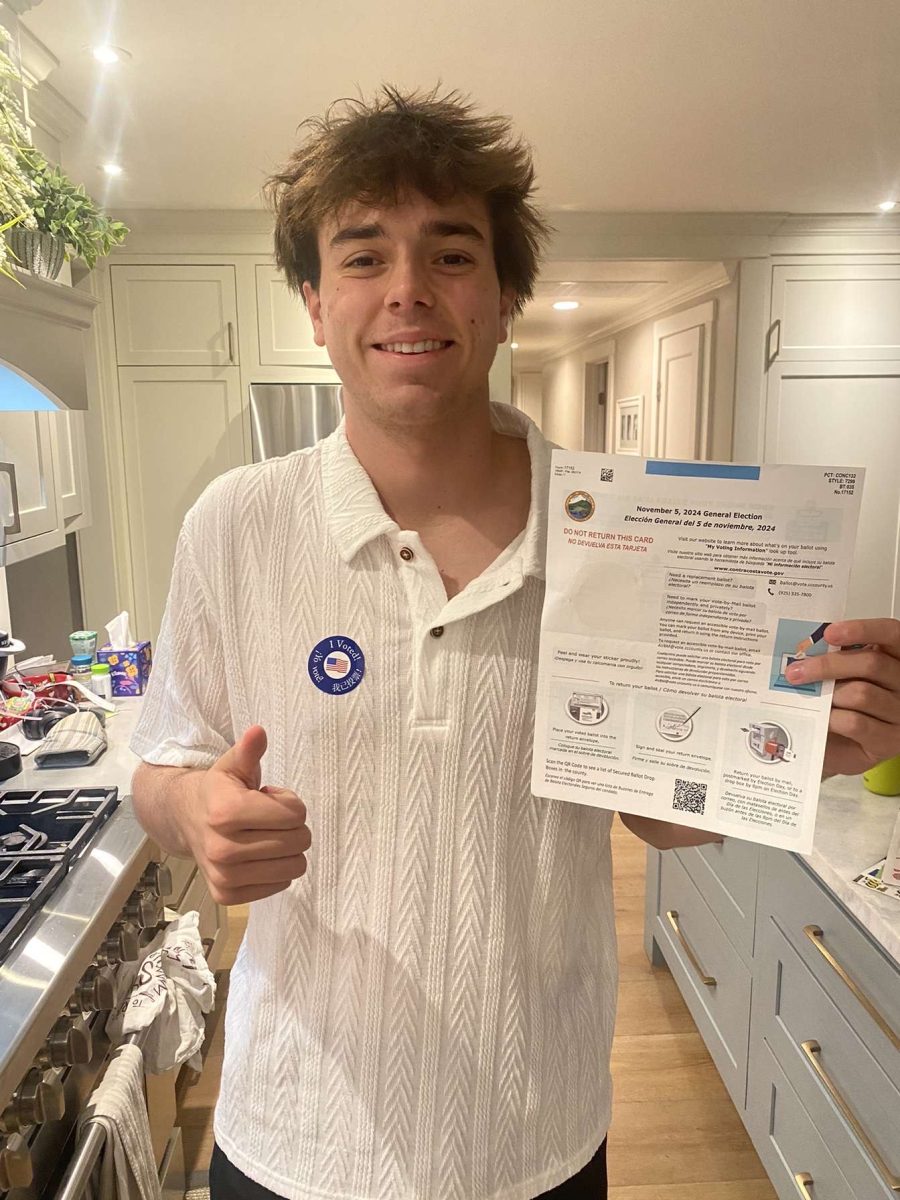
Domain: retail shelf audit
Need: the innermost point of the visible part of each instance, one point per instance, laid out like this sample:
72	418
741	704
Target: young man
427	1012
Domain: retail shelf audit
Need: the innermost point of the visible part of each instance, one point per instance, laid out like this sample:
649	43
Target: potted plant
66	219
45	216
16	189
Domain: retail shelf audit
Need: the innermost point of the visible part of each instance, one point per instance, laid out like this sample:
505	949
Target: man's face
410	307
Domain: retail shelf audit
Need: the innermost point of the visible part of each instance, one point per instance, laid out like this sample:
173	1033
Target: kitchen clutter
61	713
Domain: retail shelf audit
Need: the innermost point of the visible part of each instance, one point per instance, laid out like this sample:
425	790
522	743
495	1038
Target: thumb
242	761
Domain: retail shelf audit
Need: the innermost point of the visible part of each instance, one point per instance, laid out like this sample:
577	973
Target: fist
249	842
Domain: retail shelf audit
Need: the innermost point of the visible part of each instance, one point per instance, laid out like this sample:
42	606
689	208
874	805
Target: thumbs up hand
249	842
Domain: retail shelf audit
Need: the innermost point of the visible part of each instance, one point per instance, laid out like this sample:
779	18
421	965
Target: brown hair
375	152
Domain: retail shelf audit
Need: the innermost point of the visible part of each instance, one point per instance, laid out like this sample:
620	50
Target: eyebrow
367	233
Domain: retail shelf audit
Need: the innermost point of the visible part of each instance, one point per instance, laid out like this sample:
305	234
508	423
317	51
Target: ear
314	308
507	300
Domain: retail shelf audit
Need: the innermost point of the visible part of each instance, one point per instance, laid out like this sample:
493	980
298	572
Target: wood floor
675	1133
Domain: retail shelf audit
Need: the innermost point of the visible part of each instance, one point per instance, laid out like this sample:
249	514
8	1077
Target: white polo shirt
428	1013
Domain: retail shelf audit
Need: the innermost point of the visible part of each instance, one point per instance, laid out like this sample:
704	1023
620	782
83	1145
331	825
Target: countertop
853	827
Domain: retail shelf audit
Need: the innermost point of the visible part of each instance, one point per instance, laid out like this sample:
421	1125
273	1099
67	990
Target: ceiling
708	106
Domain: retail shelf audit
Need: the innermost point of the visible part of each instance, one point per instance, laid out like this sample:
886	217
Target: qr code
607	474
689	797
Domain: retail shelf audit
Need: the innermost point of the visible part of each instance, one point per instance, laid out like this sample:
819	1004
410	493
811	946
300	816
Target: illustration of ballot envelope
768	742
675	724
787	659
587	708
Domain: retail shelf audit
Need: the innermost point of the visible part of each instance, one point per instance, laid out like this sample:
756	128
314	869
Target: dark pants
226	1182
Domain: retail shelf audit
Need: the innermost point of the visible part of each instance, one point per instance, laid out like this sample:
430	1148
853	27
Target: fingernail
794	673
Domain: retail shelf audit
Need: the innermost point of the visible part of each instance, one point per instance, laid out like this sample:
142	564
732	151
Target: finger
242	761
246	895
256	874
881	631
251	845
869	663
858	695
877	738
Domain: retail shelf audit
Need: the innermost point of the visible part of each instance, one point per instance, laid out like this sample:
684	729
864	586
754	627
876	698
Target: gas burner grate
42	834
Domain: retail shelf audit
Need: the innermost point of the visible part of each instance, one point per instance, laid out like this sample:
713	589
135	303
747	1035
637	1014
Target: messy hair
375	153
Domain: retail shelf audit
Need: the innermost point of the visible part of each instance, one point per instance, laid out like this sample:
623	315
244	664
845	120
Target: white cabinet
180	428
830	311
174	315
72	483
285	330
833	398
26	441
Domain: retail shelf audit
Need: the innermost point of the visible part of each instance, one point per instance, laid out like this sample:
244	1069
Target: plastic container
884	778
101	680
80	668
83	641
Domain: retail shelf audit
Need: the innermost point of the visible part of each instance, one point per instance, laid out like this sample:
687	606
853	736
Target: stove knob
95	991
144	909
15	1164
122	944
158	877
69	1043
35	1100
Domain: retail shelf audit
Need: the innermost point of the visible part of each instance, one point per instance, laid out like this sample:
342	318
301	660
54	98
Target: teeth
413	347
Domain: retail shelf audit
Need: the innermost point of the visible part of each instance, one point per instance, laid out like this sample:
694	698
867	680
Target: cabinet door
847	414
73	487
285	330
174	316
837	311
26	441
180	430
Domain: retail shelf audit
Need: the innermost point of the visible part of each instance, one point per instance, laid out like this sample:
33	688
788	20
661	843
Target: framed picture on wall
629	425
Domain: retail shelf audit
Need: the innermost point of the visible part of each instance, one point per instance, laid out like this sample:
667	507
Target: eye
454	258
362	261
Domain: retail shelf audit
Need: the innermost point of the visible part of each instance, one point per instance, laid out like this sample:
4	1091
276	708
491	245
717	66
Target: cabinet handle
812	1050
804	1182
15	526
230	329
706	980
771	354
815	935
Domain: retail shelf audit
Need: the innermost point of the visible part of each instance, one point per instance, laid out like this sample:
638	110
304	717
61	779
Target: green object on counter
83	641
884	778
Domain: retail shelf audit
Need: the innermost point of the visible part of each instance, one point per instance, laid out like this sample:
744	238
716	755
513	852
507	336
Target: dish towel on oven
126	1169
173	987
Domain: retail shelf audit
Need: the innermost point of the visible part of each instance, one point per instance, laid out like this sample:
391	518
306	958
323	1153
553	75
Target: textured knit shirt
428	1013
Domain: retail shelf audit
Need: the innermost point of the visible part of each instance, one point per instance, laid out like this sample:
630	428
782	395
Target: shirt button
406	554
438	631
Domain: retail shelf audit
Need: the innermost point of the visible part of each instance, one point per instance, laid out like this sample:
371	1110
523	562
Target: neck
424	475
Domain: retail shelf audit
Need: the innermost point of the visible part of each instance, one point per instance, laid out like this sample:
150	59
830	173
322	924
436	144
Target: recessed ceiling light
887	205
112	168
513	345
565	305
107	54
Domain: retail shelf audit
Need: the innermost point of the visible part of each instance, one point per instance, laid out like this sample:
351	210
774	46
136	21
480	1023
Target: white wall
528	395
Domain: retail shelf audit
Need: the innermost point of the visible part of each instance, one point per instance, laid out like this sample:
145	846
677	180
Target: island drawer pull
706	980
815	935
812	1049
804	1182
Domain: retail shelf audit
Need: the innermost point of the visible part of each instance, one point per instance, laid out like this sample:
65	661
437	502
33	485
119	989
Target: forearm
162	796
666	835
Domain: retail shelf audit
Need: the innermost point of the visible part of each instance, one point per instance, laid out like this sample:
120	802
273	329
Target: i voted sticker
336	665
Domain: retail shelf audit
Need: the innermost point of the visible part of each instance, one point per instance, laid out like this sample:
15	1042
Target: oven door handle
82	1165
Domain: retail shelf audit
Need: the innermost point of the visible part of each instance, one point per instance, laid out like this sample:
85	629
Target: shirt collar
356	516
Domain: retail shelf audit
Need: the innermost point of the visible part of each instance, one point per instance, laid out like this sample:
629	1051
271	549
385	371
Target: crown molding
20	7
36	60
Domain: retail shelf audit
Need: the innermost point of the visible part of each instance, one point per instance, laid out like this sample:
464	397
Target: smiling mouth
425	347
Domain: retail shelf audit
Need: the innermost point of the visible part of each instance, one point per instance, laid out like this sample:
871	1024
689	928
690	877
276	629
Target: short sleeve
185	720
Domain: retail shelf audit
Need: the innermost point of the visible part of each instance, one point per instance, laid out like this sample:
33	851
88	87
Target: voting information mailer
678	594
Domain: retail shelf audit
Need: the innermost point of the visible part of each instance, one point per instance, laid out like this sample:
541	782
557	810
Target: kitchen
189	313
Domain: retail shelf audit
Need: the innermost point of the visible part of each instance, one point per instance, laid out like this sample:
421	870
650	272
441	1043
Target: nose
408	286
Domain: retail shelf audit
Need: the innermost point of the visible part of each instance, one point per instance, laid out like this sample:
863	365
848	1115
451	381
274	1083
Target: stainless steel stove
80	893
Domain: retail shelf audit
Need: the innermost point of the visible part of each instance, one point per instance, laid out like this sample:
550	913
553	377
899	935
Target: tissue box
130	669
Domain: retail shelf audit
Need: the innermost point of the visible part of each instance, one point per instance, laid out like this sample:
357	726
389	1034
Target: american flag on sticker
337	665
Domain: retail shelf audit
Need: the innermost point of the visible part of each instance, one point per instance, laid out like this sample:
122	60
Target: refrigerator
292	416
